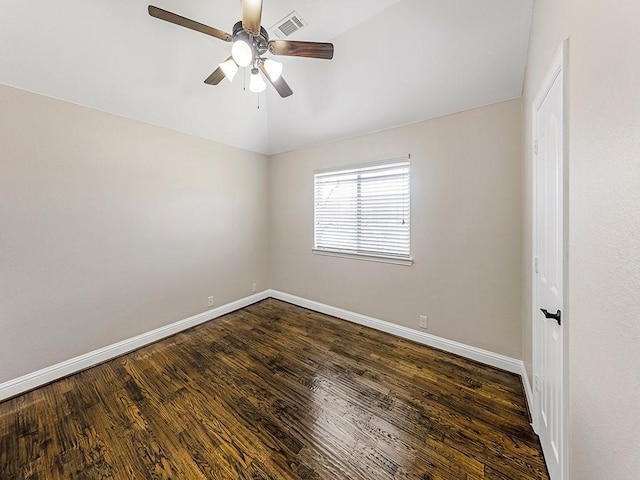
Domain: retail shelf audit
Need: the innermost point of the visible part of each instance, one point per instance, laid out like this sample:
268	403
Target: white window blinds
364	210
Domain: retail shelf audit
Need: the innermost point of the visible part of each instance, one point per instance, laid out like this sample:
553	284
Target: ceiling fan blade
252	15
217	76
187	23
293	48
280	85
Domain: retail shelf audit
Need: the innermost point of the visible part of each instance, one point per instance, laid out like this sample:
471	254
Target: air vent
288	25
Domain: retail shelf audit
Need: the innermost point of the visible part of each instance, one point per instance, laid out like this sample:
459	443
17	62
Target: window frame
406	260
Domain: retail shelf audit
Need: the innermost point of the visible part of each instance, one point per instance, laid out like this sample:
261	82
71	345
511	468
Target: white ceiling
396	62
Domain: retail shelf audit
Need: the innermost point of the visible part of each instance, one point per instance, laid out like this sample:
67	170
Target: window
363	212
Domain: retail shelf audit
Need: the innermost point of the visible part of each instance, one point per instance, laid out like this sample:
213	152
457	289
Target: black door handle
555	316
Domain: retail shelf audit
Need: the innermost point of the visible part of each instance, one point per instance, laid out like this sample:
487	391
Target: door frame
558	68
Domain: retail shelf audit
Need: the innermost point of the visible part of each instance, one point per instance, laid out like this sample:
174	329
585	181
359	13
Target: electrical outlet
211	301
254	287
423	321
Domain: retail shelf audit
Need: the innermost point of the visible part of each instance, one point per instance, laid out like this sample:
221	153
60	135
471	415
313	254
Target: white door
549	268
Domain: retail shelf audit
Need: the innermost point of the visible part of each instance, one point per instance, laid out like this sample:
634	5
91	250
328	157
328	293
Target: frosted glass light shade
273	68
230	68
242	53
256	84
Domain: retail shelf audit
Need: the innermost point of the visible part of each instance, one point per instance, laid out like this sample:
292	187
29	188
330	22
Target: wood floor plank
275	391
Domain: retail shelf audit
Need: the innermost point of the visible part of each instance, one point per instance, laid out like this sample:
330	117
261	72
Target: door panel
549	288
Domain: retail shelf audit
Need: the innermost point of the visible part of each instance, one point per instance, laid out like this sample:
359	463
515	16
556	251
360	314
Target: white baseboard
484	356
30	381
46	375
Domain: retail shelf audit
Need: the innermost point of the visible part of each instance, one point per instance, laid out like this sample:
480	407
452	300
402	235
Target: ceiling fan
250	42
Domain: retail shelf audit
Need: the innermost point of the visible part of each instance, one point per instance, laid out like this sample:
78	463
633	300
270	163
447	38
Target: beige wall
604	265
604	226
110	228
465	231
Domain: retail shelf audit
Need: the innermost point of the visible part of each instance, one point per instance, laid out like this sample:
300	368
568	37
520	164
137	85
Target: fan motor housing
258	42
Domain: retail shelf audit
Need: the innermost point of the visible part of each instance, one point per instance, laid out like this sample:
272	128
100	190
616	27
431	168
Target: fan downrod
259	43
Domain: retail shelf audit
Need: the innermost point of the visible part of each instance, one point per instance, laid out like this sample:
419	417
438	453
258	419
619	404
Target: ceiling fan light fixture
230	68
250	42
273	68
256	84
242	53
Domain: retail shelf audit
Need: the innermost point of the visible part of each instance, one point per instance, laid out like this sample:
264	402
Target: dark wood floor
274	391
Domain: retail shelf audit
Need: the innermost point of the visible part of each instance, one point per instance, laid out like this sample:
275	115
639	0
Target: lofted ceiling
396	62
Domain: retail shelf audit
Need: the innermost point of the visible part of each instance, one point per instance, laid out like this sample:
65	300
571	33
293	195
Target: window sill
406	261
